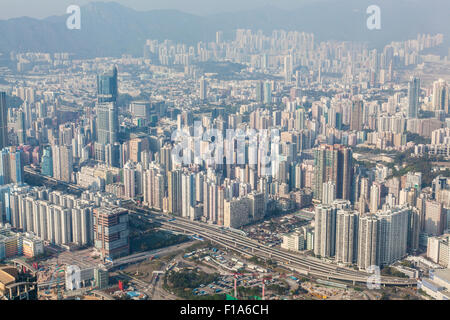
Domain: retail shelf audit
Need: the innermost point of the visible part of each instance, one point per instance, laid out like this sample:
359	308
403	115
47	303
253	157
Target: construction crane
269	277
235	283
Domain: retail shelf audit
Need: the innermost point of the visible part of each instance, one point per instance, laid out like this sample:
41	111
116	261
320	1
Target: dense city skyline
252	164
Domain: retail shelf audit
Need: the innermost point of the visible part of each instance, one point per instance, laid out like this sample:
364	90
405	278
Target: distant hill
110	29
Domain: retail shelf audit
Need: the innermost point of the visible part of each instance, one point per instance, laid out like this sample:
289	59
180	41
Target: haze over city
182	151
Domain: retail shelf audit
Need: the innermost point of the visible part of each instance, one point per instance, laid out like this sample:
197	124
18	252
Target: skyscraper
107	86
357	119
188	194
62	163
329	192
333	163
174	192
392	234
325	231
367	241
203	89
20	126
440	95
434	218
111	231
11	166
47	162
267	93
129	180
413	97
260	91
3	121
107	122
346	236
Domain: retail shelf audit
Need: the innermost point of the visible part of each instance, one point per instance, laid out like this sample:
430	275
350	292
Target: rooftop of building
443	274
8	275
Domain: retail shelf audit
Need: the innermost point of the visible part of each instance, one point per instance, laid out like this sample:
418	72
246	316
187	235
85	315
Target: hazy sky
44	8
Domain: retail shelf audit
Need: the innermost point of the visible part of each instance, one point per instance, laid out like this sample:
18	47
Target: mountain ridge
110	29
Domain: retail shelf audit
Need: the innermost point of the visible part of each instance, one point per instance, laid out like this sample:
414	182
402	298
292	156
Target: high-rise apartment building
3	121
325	231
413	97
346	236
434	218
62	163
367	241
174	192
333	163
392	234
357	119
440	95
203	89
11	166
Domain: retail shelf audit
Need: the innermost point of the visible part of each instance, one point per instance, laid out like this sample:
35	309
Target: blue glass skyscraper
47	162
107	90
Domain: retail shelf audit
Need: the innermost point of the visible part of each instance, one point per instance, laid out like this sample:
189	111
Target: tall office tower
259	91
325	231
187	195
333	163
375	197
357	119
28	114
298	176
346	236
11	166
434	218
440	95
3	121
288	68
413	97
107	86
62	163
329	192
267	93
392	234
107	122
367	241
129	180
203	89
219	37
47	162
174	192
300	119
111	231
413	230
298	79
20	127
